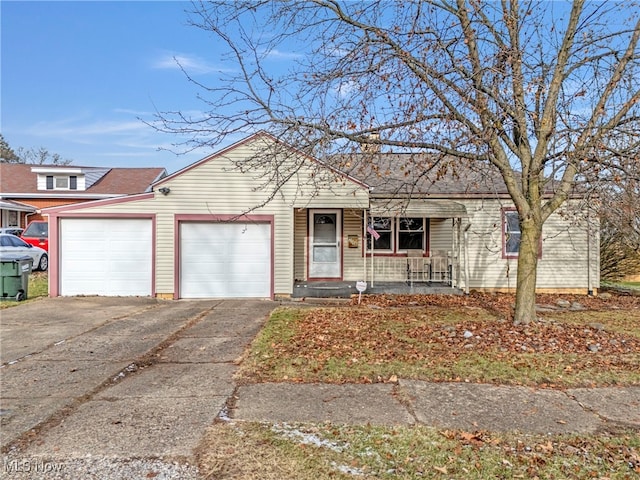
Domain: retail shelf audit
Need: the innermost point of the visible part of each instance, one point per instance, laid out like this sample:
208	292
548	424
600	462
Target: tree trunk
527	272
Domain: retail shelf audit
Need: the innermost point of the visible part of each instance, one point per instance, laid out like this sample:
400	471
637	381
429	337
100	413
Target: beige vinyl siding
564	261
564	251
215	186
352	257
440	234
486	267
300	245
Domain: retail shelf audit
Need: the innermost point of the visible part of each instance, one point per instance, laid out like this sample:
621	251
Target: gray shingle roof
418	175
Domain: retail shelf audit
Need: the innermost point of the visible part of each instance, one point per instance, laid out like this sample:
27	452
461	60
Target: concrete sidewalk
465	406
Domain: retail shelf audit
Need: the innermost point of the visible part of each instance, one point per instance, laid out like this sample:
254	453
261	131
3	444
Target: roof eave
90	196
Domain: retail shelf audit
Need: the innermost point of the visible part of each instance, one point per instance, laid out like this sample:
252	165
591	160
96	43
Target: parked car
17	231
10	245
37	234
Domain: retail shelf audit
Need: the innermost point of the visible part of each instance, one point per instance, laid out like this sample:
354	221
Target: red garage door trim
212	219
54	244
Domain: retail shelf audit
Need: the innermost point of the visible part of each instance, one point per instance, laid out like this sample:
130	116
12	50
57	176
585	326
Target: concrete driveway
122	377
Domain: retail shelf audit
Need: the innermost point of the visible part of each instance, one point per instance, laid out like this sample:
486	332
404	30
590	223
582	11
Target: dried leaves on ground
503	304
578	341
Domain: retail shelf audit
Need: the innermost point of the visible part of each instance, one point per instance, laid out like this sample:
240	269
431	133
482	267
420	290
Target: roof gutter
91	196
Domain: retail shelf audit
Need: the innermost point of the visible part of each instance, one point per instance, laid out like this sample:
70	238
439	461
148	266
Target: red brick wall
41	203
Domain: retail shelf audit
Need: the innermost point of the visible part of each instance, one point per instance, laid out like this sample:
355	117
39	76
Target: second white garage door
225	260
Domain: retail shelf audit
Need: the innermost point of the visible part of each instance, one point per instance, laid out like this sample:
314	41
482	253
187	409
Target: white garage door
110	257
219	260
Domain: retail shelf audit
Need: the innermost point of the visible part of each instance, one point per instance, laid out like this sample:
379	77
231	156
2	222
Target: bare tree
538	92
620	223
38	156
7	154
41	156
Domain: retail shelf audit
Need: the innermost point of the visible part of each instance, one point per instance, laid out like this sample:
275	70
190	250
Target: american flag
372	232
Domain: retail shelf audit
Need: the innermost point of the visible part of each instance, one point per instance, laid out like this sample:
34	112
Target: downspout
27	215
466	258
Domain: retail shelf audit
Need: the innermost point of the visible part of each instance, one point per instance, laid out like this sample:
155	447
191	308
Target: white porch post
364	243
455	252
466	258
372	250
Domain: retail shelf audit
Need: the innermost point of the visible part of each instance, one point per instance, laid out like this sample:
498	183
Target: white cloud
77	128
136	113
117	140
346	88
276	54
192	64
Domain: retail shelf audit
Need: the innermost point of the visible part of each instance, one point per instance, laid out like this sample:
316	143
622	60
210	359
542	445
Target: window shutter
49	182
73	182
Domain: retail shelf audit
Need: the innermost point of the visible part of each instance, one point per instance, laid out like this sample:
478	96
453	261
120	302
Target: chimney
371	147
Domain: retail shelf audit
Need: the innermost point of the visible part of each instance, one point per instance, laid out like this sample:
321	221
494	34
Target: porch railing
434	269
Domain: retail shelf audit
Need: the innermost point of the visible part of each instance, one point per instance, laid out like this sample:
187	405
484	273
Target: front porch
421	254
344	289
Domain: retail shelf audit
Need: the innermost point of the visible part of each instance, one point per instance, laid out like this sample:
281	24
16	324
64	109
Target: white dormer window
61	179
62	182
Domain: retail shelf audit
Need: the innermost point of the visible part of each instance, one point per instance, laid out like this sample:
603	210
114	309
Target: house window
411	234
384	227
397	235
62	183
511	225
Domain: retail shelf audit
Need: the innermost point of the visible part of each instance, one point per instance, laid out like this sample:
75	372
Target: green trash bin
14	277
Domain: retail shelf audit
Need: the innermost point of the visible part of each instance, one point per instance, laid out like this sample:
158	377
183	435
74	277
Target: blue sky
77	76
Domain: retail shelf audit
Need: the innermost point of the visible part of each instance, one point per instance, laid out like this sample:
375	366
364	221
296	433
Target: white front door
325	233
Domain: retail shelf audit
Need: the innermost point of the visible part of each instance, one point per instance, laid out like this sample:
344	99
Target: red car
37	234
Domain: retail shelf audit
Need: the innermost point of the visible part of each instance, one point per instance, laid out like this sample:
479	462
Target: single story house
25	189
229	226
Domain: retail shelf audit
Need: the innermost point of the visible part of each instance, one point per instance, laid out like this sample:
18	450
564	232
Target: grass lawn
436	339
317	452
38	287
621	284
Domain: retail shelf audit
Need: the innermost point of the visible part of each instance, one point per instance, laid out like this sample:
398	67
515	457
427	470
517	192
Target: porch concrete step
346	289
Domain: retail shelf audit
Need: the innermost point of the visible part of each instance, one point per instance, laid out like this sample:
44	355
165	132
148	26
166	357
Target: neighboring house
25	189
216	229
14	214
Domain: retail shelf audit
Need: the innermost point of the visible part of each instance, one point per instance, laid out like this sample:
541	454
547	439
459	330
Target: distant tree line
37	156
